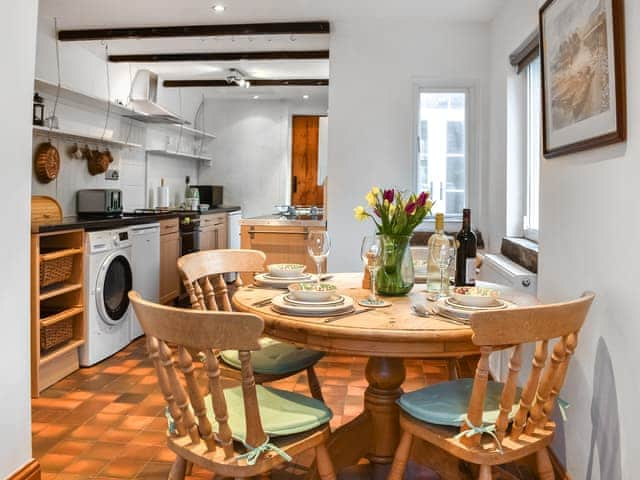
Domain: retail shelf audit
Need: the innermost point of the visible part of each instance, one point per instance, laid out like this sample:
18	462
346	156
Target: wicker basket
53	335
55	270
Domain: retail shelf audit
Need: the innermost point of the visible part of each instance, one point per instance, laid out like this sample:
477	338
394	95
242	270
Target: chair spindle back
202	275
201	331
557	325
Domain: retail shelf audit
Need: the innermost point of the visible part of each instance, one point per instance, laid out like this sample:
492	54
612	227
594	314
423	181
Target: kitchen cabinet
57	306
213	231
169	254
280	243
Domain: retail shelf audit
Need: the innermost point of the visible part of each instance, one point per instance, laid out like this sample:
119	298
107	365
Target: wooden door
304	161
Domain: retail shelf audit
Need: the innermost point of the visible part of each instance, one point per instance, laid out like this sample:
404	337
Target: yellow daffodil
386	203
371	199
428	204
360	213
375	190
392	209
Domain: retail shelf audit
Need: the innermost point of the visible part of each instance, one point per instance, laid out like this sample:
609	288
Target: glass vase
396	276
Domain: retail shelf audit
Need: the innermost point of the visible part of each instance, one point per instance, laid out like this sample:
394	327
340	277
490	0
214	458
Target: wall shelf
181	155
73	136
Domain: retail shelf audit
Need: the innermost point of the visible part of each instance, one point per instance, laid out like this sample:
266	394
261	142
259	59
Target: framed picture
583	75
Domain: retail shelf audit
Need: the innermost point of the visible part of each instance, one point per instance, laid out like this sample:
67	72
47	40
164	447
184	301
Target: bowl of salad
312	292
475	296
286	270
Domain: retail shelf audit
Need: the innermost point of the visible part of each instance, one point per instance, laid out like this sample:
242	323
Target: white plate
497	305
304	276
280	305
264	279
335	300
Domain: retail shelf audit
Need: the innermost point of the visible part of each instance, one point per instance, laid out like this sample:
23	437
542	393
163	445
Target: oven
189	234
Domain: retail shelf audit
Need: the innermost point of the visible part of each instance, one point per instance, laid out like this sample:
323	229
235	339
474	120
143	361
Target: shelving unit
81	137
56	303
186	156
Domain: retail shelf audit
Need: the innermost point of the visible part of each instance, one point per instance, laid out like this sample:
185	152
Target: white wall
375	64
17	49
588	237
252	151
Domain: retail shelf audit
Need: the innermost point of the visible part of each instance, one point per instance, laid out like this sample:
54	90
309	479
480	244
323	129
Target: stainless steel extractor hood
143	99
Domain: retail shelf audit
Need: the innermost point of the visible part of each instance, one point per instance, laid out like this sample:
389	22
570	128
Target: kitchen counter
282	221
128	219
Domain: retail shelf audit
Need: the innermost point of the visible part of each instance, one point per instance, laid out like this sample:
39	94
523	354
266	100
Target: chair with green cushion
239	432
202	276
488	423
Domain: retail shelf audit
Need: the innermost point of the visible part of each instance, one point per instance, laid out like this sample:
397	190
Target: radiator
499	269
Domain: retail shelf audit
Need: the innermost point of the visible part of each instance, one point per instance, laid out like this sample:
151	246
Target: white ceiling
72	14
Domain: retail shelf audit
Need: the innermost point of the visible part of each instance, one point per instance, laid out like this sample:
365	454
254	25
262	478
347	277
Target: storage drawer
169	226
213	219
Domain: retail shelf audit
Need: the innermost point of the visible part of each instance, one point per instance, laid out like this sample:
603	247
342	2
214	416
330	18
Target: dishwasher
145	267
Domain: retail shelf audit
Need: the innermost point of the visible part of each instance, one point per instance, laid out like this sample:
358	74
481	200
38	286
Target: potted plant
395	215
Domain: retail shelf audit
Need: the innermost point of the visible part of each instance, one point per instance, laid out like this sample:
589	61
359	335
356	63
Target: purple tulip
410	208
422	199
388	195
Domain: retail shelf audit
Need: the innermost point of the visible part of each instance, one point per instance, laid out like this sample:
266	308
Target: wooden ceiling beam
220	56
297	82
250	29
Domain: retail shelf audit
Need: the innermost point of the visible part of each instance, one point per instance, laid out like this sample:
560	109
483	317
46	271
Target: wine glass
445	258
371	253
319	246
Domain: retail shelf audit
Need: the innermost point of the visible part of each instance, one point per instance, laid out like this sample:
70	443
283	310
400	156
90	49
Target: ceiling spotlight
256	97
219	8
305	97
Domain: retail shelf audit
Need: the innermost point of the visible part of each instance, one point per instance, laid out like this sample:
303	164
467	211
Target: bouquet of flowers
393	212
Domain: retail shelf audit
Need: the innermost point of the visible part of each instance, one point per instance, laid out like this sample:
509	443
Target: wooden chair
210	430
202	275
498	423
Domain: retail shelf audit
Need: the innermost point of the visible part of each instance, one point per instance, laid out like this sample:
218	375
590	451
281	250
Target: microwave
99	202
210	194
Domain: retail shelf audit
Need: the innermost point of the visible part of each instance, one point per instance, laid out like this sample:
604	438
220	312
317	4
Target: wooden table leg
385	377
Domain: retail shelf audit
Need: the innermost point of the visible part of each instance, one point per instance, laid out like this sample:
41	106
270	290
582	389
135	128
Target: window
442	149
532	157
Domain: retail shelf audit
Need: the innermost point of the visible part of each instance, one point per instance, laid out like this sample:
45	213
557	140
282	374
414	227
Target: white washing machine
108	280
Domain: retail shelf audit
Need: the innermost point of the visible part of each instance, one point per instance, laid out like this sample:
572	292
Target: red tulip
410	208
388	195
422	199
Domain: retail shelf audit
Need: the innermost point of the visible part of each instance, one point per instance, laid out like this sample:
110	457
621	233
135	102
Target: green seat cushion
275	358
447	403
282	413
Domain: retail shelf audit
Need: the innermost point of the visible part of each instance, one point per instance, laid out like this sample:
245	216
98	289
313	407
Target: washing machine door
112	288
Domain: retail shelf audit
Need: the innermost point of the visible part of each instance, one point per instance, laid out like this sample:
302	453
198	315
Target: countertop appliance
99	203
210	194
145	266
233	237
108	280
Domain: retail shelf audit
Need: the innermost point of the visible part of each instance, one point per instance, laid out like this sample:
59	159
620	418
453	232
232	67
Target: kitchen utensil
47	163
351	314
286	270
280	305
312	292
266	280
44	210
475	296
98	162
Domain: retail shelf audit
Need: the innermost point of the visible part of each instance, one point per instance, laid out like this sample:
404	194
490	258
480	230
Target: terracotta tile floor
107	421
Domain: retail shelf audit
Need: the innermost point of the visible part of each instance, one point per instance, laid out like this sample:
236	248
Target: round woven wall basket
47	163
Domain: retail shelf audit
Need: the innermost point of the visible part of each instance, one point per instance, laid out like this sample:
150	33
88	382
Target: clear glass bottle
435	244
187	192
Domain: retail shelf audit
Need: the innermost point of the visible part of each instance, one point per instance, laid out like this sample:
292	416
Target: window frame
529	233
469	89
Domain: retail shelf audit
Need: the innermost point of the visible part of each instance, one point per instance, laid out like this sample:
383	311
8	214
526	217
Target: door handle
294	184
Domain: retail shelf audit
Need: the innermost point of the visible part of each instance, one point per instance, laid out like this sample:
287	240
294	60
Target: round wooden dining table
386	336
